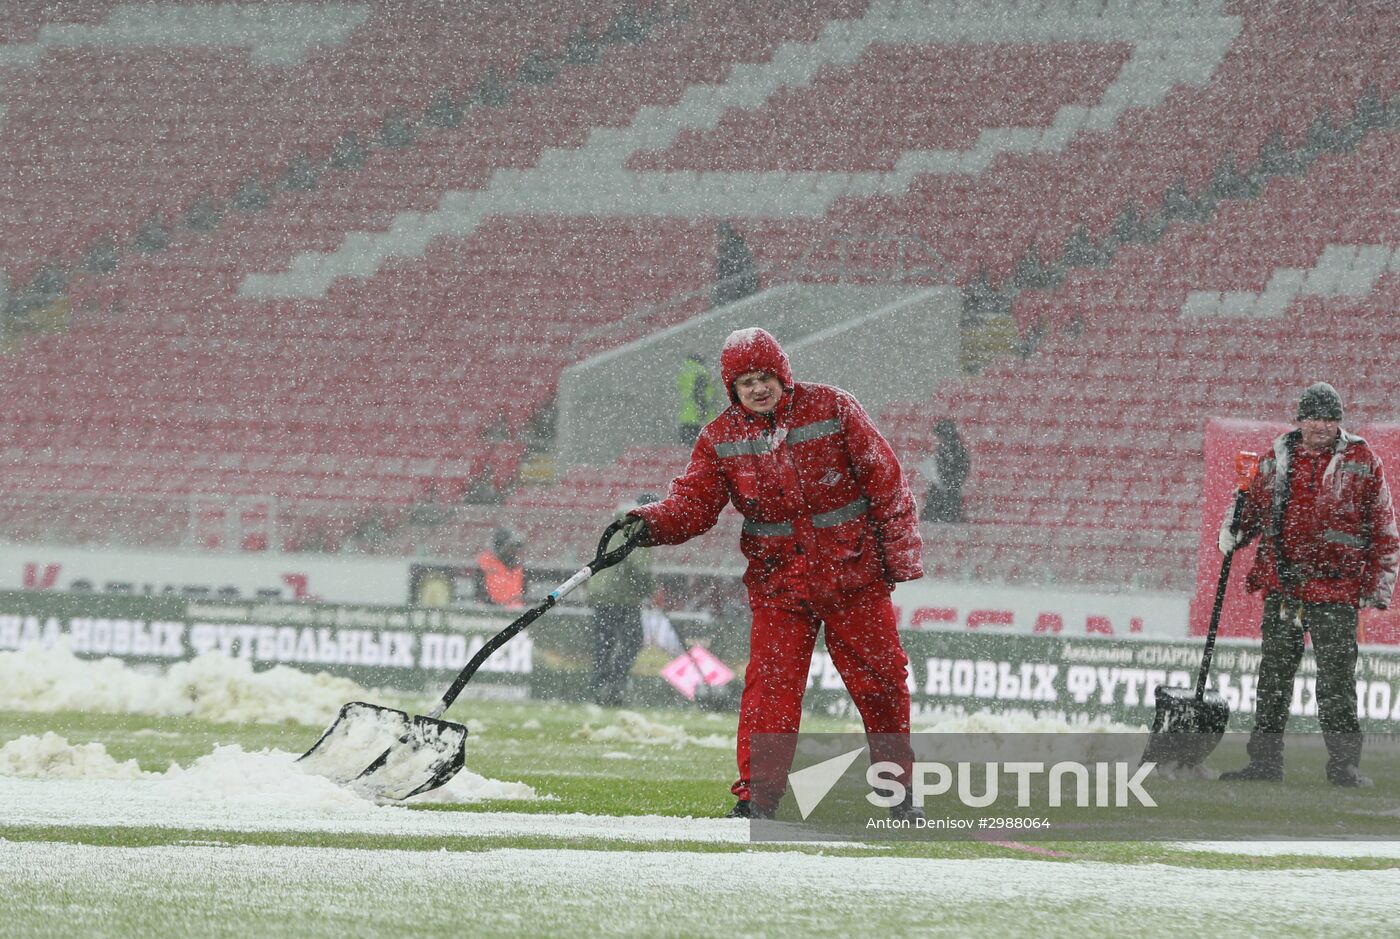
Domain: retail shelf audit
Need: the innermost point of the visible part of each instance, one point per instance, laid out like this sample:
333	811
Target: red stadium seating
1086	456
415	383
1102	430
170	121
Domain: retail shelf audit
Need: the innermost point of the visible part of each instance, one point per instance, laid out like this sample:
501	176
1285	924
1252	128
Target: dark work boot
1254	772
746	809
906	811
1349	777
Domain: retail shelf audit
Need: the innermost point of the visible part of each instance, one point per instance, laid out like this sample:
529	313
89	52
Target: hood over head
751	350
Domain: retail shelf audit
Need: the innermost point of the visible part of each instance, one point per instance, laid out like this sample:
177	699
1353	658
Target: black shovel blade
1184	730
386	754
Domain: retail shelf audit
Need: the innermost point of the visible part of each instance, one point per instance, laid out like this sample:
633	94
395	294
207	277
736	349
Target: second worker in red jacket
829	527
1328	545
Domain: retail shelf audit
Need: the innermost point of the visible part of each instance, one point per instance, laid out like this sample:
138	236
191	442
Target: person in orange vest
501	571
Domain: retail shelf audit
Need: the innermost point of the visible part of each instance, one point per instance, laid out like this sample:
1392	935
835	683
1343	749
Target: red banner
1242	611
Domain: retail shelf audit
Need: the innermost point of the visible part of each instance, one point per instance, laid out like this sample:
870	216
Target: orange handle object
1246	468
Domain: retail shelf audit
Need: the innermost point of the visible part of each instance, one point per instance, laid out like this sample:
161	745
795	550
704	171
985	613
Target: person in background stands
699	398
735	275
945	471
501	571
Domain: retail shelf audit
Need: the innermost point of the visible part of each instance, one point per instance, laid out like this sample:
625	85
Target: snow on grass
237	780
467	786
312	892
1178	771
1328	849
53	757
234	778
82	803
212	687
631	727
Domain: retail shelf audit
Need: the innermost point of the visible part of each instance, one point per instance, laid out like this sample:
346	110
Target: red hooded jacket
1333	516
827	510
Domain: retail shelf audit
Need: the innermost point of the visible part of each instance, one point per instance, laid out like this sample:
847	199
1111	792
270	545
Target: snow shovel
1188	724
389	755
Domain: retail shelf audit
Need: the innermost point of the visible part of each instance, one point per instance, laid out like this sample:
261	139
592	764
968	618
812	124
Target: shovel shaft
484	653
1217	607
1214	625
604	558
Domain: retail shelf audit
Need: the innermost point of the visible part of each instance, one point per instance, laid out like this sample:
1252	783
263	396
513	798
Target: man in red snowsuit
829	527
1328	545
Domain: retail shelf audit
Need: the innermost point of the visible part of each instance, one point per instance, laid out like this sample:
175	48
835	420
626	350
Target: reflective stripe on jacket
827	510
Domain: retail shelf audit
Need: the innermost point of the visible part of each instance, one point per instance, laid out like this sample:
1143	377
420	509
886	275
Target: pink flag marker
686	672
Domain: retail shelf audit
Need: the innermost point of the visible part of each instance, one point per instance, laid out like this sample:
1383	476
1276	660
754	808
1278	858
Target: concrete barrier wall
894	353
880	343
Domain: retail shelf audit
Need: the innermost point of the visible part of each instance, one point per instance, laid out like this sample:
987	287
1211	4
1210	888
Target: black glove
635	529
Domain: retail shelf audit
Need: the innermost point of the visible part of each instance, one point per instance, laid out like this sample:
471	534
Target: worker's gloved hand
1230	536
635	529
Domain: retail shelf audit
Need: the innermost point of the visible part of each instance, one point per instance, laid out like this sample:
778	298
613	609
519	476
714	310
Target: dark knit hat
1319	402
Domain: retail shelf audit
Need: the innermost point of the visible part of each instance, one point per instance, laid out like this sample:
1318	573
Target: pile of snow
40	679
467	786
232	774
229	776
212	687
215	687
53	757
631	727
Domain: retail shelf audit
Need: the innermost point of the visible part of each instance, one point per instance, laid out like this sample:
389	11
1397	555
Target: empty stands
386	338
117	113
1101	431
440	363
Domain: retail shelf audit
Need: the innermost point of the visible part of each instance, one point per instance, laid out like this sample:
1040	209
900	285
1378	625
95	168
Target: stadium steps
551	185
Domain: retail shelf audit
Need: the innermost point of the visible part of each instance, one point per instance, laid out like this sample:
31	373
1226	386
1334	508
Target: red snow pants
862	637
